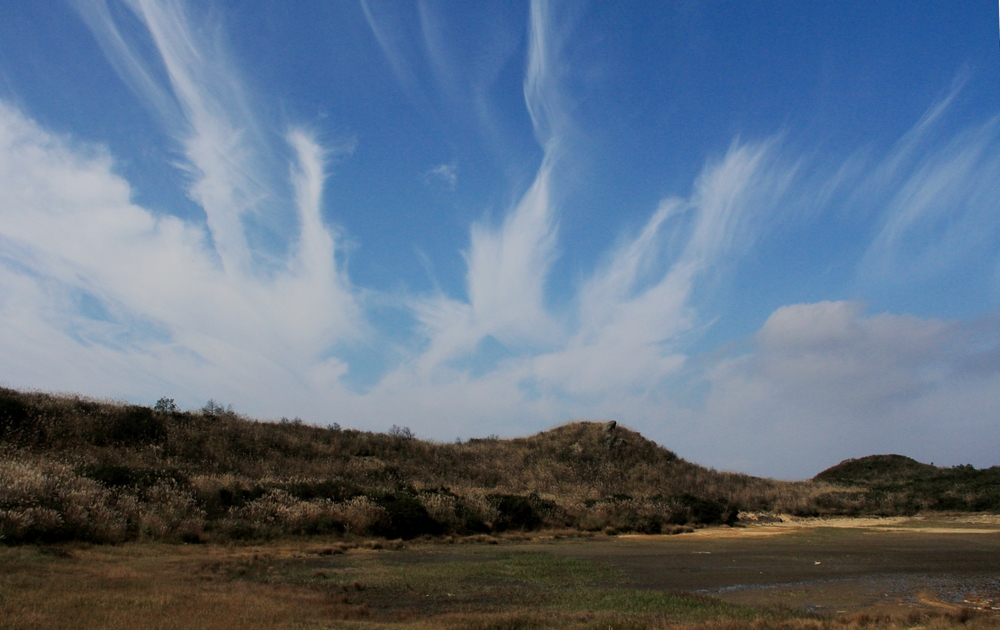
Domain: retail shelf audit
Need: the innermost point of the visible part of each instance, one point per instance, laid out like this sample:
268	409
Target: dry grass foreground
516	584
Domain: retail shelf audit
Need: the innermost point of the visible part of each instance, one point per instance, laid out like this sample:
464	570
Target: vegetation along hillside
893	484
77	468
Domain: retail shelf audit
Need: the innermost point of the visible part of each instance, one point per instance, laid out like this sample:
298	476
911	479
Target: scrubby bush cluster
73	468
44	500
892	484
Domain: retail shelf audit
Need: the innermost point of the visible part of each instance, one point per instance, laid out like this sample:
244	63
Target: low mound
875	469
894	484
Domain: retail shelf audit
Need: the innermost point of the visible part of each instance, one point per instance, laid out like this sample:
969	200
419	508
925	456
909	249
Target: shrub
478	513
14	414
45	502
407	517
523	513
169	511
361	515
235	477
701	511
218	494
120	476
308	489
444	508
624	514
278	512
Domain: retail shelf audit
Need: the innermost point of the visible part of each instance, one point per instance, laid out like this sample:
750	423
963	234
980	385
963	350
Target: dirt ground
890	565
854	567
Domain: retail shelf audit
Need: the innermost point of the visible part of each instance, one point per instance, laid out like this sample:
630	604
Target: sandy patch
972	524
944	524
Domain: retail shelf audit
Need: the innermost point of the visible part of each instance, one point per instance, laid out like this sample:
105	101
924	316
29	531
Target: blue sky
764	234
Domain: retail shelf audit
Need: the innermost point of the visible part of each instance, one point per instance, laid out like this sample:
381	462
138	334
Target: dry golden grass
147	587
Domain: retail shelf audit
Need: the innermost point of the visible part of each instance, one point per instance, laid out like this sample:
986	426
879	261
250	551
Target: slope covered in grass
77	468
894	484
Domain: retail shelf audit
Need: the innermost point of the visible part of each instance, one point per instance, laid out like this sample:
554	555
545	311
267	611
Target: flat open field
942	572
843	565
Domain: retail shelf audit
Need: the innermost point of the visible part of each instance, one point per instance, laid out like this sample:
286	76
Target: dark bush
846	503
165	405
523	513
332	489
701	511
645	524
118	476
134	426
216	504
402	433
407	517
471	523
14	414
952	504
988	502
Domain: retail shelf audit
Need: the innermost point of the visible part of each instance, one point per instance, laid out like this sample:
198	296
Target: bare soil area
889	565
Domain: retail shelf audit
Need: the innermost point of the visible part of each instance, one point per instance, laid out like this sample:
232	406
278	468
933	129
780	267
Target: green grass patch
495	579
675	606
484	580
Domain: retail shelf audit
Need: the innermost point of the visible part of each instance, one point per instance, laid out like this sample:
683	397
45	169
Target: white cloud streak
206	111
943	212
389	28
153	285
507	266
137	289
446	174
631	322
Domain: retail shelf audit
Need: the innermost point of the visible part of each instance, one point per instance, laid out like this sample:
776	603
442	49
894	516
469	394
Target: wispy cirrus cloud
629	319
137	288
633	315
508	265
392	25
187	78
433	69
544	94
941	212
111	279
445	175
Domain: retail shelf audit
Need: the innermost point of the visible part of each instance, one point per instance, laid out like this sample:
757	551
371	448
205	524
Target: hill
78	468
875	469
894	484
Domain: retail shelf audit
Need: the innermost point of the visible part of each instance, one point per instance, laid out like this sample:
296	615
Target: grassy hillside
893	484
77	468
